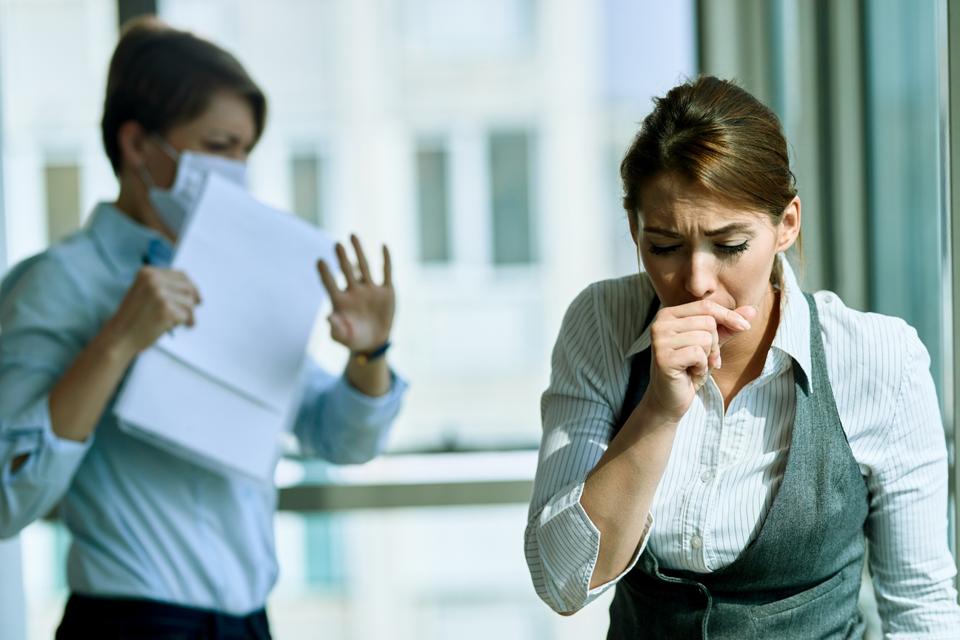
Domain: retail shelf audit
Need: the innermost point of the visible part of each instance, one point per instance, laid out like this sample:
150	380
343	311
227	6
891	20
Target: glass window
523	91
62	187
510	192
908	213
433	204
307	173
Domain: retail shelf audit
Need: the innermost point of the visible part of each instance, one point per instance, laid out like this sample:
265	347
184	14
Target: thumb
340	328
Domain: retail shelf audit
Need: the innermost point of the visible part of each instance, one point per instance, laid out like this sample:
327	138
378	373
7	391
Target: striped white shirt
725	468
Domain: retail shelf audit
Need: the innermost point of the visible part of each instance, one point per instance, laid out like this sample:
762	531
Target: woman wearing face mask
161	548
718	445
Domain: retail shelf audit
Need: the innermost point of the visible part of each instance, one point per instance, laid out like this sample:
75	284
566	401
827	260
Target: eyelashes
724	249
732	250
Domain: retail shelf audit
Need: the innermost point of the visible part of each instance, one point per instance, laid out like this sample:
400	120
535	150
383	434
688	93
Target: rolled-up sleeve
339	423
34	489
910	559
43	324
562	543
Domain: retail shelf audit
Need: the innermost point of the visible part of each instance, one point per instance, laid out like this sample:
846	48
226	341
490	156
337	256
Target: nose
701	276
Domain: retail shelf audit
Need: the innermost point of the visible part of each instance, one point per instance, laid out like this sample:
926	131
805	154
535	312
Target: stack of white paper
222	392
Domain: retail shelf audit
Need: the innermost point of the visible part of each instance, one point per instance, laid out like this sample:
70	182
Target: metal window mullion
952	198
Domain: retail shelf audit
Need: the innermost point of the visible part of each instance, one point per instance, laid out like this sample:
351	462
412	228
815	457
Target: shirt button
707	475
696	542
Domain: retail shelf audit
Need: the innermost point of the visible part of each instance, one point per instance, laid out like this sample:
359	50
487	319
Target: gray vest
800	576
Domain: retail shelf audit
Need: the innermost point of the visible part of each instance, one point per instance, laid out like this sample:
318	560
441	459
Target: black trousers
87	617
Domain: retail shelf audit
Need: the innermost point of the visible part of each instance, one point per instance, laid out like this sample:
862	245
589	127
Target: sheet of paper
178	408
222	392
255	267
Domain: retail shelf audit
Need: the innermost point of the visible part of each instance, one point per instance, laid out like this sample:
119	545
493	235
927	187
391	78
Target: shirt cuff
370	409
31	433
570	546
644	537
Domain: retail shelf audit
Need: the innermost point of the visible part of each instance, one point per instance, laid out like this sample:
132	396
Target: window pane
433	205
307	188
905	172
62	183
510	194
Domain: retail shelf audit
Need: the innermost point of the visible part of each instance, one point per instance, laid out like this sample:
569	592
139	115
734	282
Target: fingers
387	268
179	282
346	267
326	276
749	312
707	341
361	259
727	317
691	360
355	275
178	309
164	280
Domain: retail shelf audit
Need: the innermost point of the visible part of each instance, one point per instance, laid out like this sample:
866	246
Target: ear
131	140
789	228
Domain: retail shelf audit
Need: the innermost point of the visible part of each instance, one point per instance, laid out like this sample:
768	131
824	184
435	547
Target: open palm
362	311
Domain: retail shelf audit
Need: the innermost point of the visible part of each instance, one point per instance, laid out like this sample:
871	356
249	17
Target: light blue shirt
145	523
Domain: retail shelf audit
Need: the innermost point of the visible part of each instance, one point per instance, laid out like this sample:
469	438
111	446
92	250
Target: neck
131	202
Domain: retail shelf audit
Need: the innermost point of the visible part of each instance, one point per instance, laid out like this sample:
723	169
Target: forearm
371	379
79	398
618	493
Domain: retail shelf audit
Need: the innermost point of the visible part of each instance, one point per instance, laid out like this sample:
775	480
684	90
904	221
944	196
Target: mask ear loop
148	180
168	149
145	176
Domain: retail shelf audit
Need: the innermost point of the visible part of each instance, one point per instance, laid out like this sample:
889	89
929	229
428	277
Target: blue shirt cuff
31	433
369	408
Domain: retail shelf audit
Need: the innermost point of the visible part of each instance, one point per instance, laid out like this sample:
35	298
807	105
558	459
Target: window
308	187
433	203
62	186
422	124
510	198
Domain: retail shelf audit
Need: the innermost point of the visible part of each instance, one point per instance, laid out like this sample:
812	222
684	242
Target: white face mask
174	205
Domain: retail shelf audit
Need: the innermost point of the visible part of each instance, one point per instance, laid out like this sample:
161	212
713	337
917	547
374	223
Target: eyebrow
730	228
229	136
230	139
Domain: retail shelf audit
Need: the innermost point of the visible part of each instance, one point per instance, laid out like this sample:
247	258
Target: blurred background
481	139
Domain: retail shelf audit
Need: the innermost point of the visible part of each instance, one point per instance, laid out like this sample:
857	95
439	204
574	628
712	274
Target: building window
433	203
510	171
308	187
62	185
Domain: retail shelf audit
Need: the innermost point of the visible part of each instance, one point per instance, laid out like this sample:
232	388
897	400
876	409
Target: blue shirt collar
123	242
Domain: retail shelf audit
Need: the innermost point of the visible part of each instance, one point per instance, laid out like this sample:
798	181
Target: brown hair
716	134
162	77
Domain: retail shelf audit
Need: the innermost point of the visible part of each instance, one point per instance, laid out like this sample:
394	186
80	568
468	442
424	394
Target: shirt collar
643	341
793	334
123	242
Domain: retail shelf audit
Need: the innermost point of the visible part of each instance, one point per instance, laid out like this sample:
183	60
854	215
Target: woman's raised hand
363	311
